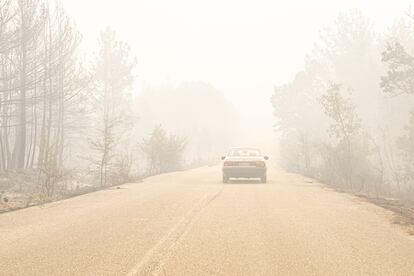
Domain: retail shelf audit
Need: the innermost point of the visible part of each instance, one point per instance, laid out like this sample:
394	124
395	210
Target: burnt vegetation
348	117
71	121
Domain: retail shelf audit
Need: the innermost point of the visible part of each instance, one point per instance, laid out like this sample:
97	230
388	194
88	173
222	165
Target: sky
242	47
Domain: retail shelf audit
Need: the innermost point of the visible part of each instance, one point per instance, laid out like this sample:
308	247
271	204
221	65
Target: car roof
245	148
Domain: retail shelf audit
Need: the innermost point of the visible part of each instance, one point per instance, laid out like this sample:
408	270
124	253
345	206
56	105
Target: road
189	223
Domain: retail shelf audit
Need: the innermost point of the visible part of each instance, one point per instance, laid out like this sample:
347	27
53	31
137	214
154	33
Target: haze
206	137
243	48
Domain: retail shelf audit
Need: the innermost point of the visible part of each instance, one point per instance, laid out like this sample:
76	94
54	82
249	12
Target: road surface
189	223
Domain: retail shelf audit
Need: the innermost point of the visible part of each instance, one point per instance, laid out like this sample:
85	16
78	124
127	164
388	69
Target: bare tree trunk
20	146
35	127
41	157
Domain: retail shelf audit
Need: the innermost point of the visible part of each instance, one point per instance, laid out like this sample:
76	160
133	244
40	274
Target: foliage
342	111
164	151
400	76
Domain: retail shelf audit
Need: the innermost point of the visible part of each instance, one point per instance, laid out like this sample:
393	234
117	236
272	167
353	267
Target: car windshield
244	152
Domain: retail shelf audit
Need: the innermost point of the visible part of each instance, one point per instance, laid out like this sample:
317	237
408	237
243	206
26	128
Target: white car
244	163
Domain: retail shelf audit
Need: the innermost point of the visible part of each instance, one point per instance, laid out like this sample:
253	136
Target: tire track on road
151	262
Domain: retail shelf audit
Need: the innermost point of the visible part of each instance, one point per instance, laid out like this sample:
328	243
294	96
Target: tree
8	45
62	85
299	121
164	151
400	76
399	81
406	144
349	54
112	78
173	157
30	20
346	125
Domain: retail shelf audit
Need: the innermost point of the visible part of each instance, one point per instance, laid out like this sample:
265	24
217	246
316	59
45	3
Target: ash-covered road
189	223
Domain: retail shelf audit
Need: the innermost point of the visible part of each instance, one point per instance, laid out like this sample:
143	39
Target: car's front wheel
263	179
